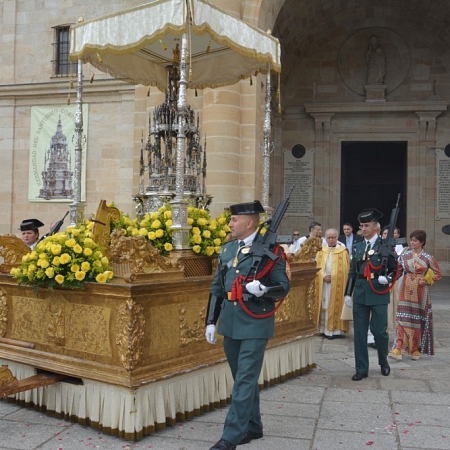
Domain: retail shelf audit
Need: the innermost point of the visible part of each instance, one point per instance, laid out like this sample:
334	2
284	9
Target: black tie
241	243
367	250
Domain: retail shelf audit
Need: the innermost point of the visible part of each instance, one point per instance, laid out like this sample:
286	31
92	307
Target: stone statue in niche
376	63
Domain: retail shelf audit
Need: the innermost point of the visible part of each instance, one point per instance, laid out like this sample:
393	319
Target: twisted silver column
180	226
77	207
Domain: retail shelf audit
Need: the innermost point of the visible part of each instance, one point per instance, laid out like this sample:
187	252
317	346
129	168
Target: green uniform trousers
245	357
374	316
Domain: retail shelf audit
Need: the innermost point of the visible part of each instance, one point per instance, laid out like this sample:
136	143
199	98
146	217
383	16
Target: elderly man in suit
370	295
246	320
348	238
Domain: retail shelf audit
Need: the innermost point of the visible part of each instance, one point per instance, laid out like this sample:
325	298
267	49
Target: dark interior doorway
373	174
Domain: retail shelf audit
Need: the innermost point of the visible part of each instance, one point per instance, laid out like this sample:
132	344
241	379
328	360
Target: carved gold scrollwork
101	229
311	301
137	255
6	377
56	317
284	312
3	312
308	250
130	333
56	328
192	330
12	249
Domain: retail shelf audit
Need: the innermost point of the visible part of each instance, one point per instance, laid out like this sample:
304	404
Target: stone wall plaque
443	182
298	168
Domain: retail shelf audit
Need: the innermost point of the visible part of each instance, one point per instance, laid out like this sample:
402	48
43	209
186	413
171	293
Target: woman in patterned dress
414	331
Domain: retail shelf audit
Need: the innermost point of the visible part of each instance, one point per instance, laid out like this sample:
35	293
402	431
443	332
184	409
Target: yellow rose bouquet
206	236
65	259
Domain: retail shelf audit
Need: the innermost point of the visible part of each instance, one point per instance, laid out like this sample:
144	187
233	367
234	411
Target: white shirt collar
249	239
372	239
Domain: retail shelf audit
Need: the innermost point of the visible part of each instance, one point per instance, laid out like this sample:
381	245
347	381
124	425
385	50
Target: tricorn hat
247	208
369	215
30	224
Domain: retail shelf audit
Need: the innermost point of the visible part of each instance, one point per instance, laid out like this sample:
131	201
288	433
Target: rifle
263	248
55	228
386	248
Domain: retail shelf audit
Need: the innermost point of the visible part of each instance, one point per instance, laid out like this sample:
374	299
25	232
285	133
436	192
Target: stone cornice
381	107
61	88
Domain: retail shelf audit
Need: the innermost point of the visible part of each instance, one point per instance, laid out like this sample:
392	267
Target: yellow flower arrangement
66	259
205	238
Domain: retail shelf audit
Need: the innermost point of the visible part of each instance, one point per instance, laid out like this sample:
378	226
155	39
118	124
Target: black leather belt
372	276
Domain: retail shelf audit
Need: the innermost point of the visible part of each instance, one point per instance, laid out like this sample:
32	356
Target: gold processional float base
130	357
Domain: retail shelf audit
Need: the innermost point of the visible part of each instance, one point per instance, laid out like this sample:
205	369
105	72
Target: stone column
232	123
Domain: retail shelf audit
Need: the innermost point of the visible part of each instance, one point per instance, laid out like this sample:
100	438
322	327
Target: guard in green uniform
245	310
370	291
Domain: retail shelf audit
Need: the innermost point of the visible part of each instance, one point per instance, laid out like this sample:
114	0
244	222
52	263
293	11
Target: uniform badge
371	252
245	250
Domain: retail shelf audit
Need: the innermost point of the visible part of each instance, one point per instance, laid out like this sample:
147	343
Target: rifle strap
237	289
367	273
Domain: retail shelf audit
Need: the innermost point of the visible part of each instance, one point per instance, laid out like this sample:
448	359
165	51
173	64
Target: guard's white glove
256	288
348	301
383	280
211	334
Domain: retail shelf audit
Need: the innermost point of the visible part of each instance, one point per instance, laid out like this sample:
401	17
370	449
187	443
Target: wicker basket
197	266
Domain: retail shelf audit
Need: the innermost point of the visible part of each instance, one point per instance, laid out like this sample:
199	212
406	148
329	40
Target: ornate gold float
134	349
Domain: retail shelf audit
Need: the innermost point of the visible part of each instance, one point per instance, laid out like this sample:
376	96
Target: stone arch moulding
352	65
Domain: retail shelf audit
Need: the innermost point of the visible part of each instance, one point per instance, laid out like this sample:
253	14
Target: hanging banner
52	154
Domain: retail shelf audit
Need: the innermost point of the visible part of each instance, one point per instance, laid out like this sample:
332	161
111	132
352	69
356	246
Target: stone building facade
364	88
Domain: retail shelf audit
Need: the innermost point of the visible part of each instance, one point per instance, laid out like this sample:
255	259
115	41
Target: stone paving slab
345	440
320	410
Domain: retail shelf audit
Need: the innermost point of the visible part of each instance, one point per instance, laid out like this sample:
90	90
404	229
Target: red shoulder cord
367	273
237	290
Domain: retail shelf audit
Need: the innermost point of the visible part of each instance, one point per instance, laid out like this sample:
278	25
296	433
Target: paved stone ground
321	410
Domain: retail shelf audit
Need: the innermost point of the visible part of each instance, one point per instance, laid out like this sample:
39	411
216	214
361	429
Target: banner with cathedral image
52	154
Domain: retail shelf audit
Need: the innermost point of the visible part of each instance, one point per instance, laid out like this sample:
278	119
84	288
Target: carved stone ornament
3	312
6	377
130	333
308	250
12	249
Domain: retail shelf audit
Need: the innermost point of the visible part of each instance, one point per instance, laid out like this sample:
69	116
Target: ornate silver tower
159	154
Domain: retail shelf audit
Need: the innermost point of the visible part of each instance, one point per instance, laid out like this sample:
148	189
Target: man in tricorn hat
370	295
246	321
30	231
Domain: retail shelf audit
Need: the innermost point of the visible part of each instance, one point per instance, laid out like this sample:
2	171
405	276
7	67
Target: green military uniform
245	337
370	305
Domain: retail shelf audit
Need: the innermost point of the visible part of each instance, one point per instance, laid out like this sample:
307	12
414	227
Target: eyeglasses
296	234
331	237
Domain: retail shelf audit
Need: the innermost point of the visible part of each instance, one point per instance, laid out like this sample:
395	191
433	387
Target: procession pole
180	227
268	146
77	207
